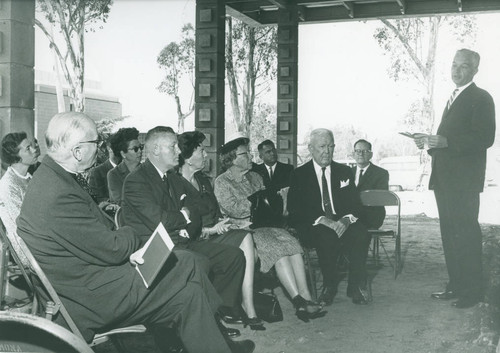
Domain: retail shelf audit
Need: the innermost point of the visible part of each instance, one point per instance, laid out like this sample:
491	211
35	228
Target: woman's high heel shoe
255	323
307	310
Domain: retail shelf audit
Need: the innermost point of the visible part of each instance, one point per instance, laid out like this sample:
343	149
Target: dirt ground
402	317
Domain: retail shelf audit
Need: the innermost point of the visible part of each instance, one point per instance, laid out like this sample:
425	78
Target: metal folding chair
385	198
48	303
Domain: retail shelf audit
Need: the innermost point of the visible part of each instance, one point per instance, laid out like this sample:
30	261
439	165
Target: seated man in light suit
87	261
324	207
368	176
151	195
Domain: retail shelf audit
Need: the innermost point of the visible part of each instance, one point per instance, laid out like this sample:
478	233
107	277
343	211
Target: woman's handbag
267	307
263	210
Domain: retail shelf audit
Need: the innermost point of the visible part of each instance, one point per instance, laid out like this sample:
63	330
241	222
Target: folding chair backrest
379	198
54	304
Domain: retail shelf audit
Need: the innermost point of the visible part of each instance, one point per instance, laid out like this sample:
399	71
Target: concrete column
210	72
17	59
286	125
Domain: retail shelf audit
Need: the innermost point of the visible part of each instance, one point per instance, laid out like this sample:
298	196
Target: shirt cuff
351	218
184	213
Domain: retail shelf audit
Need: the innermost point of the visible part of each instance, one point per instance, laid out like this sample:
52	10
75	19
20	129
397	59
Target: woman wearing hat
275	246
192	161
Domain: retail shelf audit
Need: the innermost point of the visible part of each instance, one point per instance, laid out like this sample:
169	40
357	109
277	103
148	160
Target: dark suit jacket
375	178
304	197
281	179
86	262
281	175
115	178
146	201
469	127
98	180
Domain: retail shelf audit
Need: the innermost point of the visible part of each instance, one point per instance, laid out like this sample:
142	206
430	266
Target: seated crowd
219	245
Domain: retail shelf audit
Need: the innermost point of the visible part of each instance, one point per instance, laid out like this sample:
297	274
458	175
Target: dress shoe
463	303
231	319
307	310
255	324
445	295
227	331
326	297
244	346
360	296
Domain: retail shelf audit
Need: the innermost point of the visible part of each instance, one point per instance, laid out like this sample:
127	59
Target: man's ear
77	153
156	149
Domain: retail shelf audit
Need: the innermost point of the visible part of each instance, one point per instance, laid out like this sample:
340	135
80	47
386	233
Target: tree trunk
231	77
249	92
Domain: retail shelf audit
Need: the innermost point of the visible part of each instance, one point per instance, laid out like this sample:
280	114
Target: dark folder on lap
155	252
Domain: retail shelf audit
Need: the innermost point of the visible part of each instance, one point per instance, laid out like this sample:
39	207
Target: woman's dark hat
233	144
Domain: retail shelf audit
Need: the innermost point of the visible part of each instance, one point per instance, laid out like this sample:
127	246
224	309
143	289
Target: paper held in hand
415	135
155	252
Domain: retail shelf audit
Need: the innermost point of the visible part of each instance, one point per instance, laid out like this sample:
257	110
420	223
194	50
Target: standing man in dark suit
276	175
368	176
87	261
458	153
324	207
151	195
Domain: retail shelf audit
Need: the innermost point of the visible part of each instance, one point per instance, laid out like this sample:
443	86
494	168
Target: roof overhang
265	12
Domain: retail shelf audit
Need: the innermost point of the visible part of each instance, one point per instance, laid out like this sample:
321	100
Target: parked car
405	173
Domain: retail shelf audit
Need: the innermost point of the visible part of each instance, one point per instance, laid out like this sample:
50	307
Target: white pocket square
344	183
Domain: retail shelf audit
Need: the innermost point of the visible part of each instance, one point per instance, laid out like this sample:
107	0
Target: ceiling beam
302	13
280	3
349	7
374	10
402	6
250	18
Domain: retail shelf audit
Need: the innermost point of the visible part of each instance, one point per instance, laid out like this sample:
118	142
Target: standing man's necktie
327	205
452	98
270	173
82	181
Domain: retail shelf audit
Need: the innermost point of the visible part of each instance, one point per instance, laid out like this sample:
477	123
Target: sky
342	71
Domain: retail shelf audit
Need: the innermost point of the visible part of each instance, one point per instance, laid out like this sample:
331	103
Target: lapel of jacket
157	182
315	190
460	98
367	175
335	184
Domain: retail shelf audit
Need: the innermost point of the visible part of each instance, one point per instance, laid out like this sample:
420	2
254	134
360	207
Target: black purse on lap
264	210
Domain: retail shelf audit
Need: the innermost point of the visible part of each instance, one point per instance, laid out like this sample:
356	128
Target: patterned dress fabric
12	189
272	243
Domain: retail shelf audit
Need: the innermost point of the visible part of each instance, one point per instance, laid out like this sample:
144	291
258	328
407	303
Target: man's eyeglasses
362	151
98	142
136	148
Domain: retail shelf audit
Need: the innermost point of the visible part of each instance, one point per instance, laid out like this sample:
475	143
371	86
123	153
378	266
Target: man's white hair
319	132
65	130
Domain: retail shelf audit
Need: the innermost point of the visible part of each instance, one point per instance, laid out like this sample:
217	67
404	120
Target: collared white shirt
184	213
112	163
273	168
460	90
328	173
358	172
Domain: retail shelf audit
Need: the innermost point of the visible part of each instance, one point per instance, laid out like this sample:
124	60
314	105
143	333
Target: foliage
251	61
72	18
178	60
263	125
411	45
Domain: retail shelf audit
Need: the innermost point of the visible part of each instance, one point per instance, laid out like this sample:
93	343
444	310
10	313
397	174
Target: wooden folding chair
48	303
385	198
